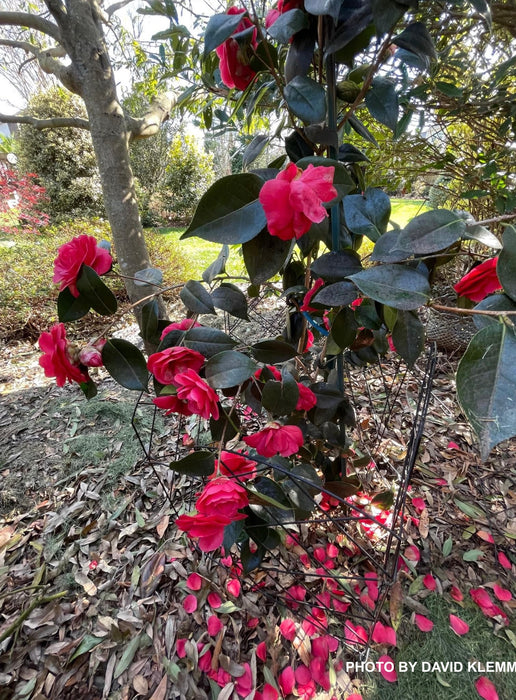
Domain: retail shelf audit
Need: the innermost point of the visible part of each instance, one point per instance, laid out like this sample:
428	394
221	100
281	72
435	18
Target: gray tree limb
25	19
50	123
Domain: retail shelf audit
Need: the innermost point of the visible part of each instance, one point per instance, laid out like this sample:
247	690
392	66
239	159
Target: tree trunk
83	39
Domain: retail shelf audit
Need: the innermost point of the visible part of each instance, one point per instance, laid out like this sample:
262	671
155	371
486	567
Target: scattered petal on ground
458	626
486	689
424	624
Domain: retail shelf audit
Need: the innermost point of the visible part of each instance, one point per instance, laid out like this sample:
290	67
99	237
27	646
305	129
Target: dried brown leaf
396	604
152	573
424	522
161	691
140	685
161	527
5	535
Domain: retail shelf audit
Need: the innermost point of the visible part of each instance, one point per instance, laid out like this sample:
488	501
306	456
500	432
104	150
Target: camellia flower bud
90	356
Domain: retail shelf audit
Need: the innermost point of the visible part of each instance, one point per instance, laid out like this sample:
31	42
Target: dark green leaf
297	147
126	364
387	248
264	256
273	351
329	400
88	643
432	231
93	290
362	130
486	385
386	13
382	102
408	336
324	7
250	559
449	89
336	294
280	398
368	214
300	54
229	298
482	235
200	463
350	154
218	29
229	212
288	24
196	298
341	178
208	341
70	308
226	427
254	149
367	316
306	99
302	484
336	266
344	328
149	322
89	388
506	266
494	302
218	266
148	276
343	489
352	35
394	285
229	368
416	38
171	339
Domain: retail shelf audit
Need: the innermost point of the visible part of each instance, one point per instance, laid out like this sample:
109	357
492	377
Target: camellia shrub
275	413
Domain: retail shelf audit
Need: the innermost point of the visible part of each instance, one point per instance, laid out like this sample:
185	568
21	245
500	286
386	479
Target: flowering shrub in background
20	201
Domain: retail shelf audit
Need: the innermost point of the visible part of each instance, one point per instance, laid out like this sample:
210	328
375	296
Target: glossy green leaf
273	351
93	290
217	267
336	294
394	285
362	130
482	235
127	657
208	341
227	425
432	231
88	643
280	398
196	298
408	336
382	102
329	400
336	266
229	212
506	266
229	368
368	214
148	276
387	248
288	24
306	99
89	388
473	555
230	298
324	7
201	463
416	39
494	302
254	149
486	385
149	322
126	364
219	28
344	328
386	13
264	256
70	308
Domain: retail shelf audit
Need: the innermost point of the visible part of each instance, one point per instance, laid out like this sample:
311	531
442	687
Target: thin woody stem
469	312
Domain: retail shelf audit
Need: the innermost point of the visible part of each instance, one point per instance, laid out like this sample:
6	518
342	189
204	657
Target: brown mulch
93	574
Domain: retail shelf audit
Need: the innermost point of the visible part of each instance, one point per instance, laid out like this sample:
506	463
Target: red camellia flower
57	360
276	439
209	529
233	59
236	465
70	256
172	404
166	364
481	281
222	496
200	398
293	200
307	399
183	325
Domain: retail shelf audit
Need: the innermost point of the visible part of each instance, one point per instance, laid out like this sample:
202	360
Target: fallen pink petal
502	594
190	603
387	668
429	582
486	688
423	623
458	626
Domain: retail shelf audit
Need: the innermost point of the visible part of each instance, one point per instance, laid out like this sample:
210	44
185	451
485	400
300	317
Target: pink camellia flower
172	404
305	306
209	529
293	200
166	364
276	439
307	399
200	398
235	465
183	325
235	70
91	355
70	256
481	281
57	359
222	496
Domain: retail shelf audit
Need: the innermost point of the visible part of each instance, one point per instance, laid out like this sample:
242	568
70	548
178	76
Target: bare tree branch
150	123
25	19
52	123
